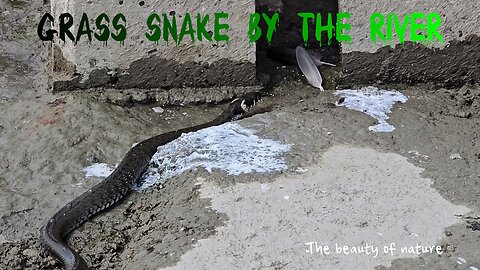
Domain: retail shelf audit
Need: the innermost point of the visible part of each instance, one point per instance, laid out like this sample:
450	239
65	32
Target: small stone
363	224
93	159
448	233
140	97
455	156
29	252
158	109
14	250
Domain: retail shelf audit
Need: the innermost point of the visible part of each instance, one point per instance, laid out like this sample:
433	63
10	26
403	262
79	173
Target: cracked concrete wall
452	63
202	64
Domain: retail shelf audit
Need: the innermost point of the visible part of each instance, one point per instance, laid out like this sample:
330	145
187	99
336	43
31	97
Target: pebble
139	97
158	109
14	250
29	252
455	156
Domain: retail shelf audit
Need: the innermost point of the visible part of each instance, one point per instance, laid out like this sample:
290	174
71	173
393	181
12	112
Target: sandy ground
345	185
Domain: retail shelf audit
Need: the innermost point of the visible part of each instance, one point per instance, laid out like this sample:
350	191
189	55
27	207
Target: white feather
308	68
318	63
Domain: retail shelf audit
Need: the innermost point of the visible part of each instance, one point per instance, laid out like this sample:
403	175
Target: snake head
239	106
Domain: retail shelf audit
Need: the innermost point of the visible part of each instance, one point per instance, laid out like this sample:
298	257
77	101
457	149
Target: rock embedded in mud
30	252
158	109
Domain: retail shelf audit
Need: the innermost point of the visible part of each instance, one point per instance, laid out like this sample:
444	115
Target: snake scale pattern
119	184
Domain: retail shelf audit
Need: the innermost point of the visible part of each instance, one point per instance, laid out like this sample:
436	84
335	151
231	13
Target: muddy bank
155	228
46	140
144	220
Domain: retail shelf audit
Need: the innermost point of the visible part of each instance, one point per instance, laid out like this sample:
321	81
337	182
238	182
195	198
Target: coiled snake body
119	184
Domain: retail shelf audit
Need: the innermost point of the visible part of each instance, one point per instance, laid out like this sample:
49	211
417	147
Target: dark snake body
119	184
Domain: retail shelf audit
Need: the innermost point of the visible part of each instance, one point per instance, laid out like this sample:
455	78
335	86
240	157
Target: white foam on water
374	102
98	170
229	147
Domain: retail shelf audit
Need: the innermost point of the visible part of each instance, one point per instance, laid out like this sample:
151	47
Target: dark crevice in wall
289	36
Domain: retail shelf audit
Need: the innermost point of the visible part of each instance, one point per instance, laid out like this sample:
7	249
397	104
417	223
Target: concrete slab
356	198
140	63
366	62
459	19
